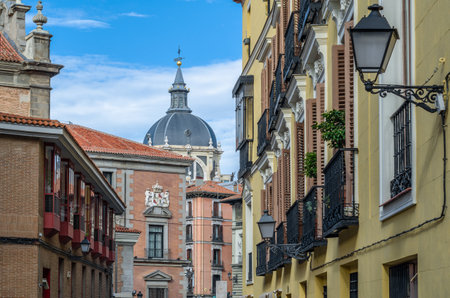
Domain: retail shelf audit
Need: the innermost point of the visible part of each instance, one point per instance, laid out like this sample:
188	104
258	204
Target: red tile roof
235	197
11	118
95	141
126	230
7	50
210	187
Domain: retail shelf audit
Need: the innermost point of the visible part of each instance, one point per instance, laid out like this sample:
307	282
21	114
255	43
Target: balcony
291	46
157	253
97	248
217	238
312	215
340	209
294	223
78	230
52	223
112	251
277	258
216	214
263	134
65	231
261	259
105	247
272	107
308	14
217	265
245	163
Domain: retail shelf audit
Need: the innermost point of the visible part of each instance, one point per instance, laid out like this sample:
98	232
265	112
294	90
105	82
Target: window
215	279
215	211
155	241
100	285
188	232
243	93
189	209
61	278
189	254
108	176
216	257
403	280
46	277
72	280
157	293
249	267
402	150
354	285
325	295
217	233
92	283
83	282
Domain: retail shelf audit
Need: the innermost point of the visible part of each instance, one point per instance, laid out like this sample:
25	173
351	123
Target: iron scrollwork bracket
290	250
425	97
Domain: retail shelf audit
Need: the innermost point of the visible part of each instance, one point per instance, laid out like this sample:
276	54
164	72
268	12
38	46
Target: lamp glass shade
140	294
85	245
266	226
373	41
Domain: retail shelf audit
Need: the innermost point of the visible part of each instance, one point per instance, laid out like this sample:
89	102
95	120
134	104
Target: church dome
180	126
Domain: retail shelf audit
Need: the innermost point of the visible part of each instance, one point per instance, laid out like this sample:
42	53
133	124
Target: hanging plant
332	128
310	206
311	165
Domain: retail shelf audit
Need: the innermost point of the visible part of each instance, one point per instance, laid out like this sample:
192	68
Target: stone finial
149	137
210	143
166	141
39	19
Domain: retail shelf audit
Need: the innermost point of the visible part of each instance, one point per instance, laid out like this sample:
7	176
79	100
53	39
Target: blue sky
118	58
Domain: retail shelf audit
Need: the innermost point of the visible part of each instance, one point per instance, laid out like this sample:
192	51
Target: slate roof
96	141
7	51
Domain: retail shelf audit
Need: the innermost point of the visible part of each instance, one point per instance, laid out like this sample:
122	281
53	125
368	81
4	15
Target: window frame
149	247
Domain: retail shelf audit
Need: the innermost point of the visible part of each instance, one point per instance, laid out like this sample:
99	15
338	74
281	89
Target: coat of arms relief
157	197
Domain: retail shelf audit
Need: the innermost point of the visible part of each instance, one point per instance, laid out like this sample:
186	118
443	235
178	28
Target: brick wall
15	100
20	187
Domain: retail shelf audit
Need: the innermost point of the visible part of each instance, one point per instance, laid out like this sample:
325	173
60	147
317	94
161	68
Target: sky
118	59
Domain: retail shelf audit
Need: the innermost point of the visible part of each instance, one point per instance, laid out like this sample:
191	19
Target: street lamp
267	229
373	41
139	295
85	245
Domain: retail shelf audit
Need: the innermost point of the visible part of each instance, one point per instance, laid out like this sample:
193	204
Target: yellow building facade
362	215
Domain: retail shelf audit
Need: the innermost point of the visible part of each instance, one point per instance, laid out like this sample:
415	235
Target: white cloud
126	100
134	15
77	23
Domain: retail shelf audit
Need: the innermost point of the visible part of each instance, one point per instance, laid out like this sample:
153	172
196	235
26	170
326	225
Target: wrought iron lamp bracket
290	250
425	97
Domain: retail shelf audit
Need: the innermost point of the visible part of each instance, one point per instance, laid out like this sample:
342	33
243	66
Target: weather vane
179	58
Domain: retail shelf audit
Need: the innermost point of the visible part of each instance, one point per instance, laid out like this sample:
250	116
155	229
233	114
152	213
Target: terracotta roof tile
210	187
11	118
95	141
7	50
122	229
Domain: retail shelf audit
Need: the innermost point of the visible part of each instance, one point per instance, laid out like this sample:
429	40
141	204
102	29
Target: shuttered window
311	134
320	92
299	166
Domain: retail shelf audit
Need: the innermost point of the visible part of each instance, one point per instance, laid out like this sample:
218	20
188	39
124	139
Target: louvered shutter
263	200
320	91
338	77
286	196
299	165
349	112
311	134
284	15
271	195
263	90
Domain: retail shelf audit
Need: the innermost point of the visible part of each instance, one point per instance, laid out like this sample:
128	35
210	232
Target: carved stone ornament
157	197
318	67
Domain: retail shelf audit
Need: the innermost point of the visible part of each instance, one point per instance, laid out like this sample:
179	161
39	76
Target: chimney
13	19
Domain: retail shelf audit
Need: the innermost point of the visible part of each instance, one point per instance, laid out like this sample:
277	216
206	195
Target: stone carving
157	197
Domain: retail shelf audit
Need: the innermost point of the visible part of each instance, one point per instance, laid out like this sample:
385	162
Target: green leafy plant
310	206
311	164
332	128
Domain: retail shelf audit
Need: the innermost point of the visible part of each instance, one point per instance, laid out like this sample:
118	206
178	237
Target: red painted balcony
65	232
112	253
78	230
51	215
105	248
97	248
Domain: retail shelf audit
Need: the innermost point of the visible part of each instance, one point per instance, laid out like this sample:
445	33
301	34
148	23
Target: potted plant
332	128
311	164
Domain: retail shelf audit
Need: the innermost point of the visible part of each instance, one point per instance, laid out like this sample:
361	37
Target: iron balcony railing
217	238
312	213
279	86
308	14
291	46
157	253
294	223
272	107
261	258
339	208
263	135
244	160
